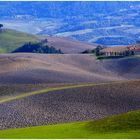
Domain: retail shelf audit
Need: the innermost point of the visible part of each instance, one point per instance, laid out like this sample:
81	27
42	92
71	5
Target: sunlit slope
69	46
120	126
11	39
46	68
65	68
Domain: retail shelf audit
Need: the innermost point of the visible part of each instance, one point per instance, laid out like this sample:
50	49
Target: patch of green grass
119	126
11	39
109	57
102	57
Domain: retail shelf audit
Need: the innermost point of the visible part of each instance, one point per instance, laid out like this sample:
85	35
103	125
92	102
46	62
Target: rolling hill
68	105
54	68
70	95
65	68
120	126
65	104
12	39
69	46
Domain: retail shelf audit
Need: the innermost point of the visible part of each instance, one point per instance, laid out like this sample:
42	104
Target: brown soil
71	105
68	68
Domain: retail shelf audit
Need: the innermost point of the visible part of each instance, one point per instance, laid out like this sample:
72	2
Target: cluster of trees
124	53
39	47
96	50
129	53
88	51
1	25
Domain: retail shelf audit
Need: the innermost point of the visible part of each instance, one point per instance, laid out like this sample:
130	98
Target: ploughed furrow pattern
12	90
17	89
71	105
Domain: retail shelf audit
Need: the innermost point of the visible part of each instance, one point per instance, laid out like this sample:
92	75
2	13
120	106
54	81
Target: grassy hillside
10	40
120	126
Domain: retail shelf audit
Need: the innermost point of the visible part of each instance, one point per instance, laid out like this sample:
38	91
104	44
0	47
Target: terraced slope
120	126
70	105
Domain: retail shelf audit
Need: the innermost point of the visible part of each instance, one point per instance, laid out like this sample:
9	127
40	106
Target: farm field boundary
27	94
126	125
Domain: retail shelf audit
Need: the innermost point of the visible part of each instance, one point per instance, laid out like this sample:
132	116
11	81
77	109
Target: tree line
1	25
38	47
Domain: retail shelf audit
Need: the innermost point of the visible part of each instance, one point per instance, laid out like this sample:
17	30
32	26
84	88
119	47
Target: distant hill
101	22
61	9
11	39
39	68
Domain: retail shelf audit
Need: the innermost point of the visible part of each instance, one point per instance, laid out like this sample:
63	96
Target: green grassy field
10	40
118	126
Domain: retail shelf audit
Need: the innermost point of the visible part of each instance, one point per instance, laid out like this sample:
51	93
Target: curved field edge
125	125
27	94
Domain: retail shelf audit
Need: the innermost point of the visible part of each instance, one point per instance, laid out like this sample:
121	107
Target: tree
97	51
127	53
132	53
1	25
